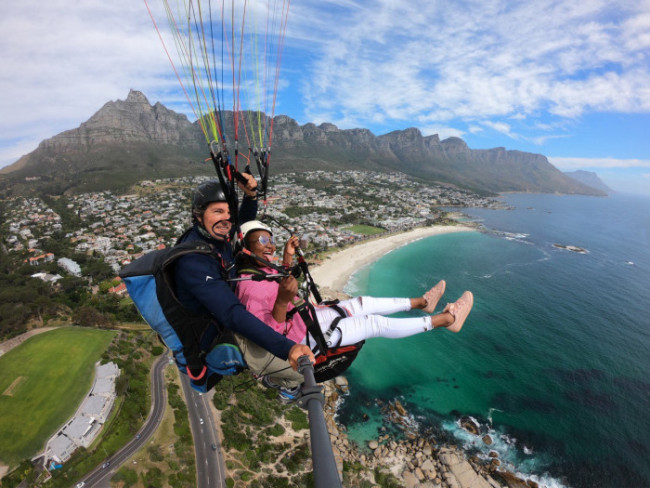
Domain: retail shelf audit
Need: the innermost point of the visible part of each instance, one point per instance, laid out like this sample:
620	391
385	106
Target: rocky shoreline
415	461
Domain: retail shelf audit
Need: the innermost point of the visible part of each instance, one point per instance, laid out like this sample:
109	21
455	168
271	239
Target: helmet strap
205	233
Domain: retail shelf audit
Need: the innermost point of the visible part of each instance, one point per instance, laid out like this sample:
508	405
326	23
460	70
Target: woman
270	301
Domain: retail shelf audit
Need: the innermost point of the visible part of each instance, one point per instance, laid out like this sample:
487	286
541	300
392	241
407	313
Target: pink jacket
259	297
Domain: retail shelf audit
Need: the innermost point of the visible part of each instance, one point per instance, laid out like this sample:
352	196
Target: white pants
366	319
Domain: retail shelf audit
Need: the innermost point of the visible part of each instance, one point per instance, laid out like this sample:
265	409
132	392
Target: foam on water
512	454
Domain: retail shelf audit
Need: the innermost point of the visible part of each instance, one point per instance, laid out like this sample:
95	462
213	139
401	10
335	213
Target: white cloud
569	164
62	61
480	59
501	127
443	132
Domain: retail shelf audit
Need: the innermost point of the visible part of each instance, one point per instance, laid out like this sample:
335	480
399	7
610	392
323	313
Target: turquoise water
554	359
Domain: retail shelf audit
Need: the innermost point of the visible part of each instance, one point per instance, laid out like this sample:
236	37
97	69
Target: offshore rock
470	425
512	480
400	409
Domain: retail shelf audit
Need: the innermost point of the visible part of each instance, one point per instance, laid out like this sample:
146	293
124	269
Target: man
201	286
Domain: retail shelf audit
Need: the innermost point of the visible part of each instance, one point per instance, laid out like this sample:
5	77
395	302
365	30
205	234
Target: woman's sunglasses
265	241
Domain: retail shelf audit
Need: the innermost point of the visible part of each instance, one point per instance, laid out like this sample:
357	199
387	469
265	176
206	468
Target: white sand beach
337	268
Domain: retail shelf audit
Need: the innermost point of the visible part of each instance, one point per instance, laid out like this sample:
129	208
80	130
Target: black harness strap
261	160
303	308
308	315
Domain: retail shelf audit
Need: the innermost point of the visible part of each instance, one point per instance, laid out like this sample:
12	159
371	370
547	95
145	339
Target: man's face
216	220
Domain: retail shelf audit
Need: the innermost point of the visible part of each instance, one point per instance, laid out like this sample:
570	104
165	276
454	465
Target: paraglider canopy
226	57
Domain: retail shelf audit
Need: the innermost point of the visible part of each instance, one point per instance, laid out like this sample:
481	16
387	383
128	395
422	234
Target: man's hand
250	188
300	350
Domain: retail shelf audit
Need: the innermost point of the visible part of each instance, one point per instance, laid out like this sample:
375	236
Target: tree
87	316
127	476
74	290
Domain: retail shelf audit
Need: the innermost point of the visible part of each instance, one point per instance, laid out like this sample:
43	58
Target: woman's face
262	244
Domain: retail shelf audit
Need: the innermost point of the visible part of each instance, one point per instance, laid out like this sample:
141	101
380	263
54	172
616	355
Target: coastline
335	271
414	461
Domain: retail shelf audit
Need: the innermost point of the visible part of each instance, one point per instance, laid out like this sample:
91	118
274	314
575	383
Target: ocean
553	361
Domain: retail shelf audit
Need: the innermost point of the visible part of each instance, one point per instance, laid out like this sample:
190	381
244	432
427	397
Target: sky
566	79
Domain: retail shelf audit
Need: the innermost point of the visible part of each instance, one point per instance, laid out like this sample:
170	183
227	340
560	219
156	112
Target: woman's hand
288	289
300	350
290	249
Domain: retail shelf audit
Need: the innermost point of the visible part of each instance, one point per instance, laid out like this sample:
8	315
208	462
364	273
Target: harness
331	360
150	283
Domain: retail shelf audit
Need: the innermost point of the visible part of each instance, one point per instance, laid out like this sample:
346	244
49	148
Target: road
209	463
100	476
210	466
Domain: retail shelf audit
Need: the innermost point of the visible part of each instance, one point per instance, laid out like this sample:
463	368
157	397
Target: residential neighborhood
320	206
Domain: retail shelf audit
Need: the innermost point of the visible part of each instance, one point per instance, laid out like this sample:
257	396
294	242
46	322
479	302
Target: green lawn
42	382
367	230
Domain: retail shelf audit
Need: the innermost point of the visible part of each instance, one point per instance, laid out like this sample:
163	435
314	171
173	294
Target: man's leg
262	363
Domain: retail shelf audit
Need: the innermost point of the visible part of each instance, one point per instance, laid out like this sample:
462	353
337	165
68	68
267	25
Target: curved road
209	463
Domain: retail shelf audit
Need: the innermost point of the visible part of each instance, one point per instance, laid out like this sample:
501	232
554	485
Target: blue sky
570	80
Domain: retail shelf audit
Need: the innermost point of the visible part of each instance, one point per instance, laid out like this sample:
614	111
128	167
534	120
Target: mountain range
130	140
589	178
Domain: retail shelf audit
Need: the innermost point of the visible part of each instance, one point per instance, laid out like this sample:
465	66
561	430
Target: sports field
42	382
365	229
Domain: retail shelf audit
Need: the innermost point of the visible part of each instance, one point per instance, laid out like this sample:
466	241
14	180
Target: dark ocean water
553	361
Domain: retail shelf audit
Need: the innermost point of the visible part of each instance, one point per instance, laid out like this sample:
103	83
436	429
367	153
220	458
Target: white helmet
252	225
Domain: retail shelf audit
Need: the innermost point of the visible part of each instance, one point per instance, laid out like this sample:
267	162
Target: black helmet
205	194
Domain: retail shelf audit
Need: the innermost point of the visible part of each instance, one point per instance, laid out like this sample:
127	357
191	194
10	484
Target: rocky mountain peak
455	141
327	127
127	121
136	96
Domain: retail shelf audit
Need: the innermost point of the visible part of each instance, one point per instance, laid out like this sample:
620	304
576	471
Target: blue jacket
201	288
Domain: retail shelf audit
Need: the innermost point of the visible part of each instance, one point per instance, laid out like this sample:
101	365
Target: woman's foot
433	296
459	310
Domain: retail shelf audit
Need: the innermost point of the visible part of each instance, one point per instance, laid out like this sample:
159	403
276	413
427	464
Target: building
70	266
48	278
43	258
82	429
